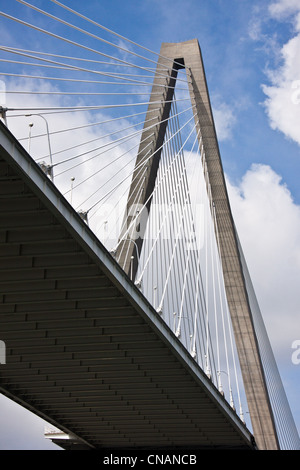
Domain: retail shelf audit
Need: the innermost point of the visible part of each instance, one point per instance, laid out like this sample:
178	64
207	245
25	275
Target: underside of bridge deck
84	349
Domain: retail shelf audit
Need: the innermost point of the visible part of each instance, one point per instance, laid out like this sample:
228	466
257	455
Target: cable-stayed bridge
128	314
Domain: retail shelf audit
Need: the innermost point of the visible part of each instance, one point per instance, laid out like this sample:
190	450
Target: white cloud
269	229
283	8
283	98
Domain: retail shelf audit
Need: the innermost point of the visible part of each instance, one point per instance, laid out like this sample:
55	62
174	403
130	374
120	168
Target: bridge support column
188	55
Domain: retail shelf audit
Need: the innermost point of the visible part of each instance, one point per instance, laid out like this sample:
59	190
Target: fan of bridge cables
77	102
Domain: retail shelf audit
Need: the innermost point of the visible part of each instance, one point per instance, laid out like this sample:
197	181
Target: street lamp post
49	144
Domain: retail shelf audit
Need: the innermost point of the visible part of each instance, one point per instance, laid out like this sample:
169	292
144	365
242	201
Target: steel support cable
116	186
189	261
284	422
224	331
169	208
83	126
216	322
180	167
88	108
223	296
159	309
212	264
109	135
104	146
142	168
181	196
127	251
80	59
163	201
142	171
119	140
76	68
207	213
145	204
174	148
241	413
186	200
123	180
17	50
203	330
139	212
114	143
193	262
151	285
63	66
67	67
277	395
204	297
163	198
123	139
144	161
135	199
185	186
190	292
193	350
114	33
76	93
206	183
285	426
98	171
210	351
94	140
43	77
178	329
49	15
229	327
187	285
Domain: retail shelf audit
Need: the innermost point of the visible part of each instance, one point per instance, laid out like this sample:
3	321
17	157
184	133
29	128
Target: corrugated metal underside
80	353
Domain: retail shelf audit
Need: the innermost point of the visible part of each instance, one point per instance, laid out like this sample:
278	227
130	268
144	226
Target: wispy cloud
225	119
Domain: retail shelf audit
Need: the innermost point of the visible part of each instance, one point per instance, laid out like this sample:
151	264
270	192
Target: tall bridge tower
188	55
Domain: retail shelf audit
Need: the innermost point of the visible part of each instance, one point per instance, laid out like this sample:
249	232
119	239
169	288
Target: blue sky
251	53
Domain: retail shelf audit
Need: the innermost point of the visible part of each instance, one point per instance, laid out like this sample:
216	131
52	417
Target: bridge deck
85	350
